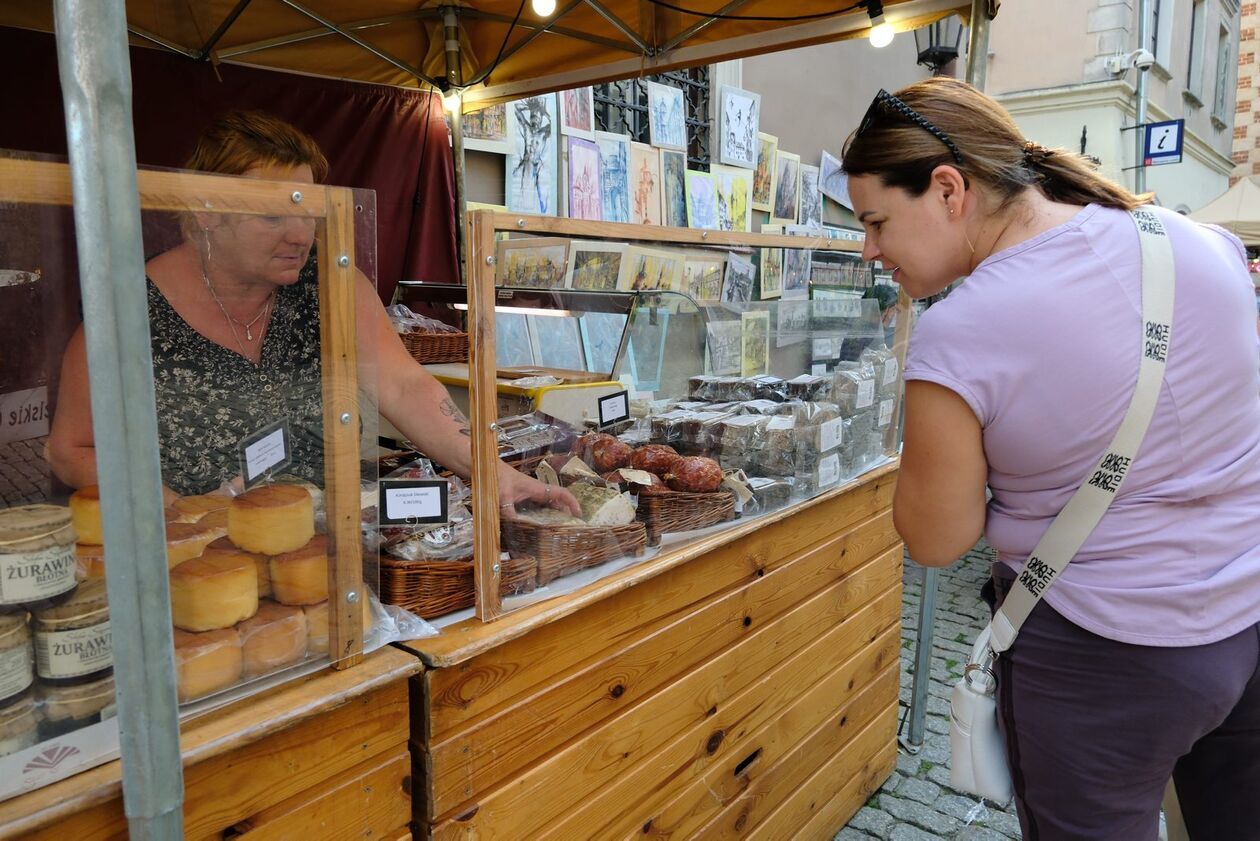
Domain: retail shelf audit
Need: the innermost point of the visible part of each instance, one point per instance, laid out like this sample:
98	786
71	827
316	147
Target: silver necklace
232	322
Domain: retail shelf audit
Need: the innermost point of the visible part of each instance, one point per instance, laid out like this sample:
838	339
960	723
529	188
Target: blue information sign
1163	142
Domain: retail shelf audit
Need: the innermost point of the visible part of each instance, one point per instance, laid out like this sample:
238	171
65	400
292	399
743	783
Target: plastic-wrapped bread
760	407
853	387
778	456
667	428
766	387
884	364
740	437
272	519
694	474
272	638
809	387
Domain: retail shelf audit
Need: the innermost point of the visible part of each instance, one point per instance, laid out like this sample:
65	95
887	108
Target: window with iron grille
622	107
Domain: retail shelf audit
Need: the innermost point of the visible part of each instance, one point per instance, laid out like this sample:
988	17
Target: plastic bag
406	321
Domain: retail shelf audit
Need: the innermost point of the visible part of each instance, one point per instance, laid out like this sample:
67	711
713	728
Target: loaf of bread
301	577
214	591
85	513
272	638
207	662
272	519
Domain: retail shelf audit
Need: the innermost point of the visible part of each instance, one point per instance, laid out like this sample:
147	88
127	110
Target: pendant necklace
232	322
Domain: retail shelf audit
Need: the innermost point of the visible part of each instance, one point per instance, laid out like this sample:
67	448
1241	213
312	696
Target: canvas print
585	199
702	277
793	323
754	355
667	116
511	340
614	175
534	262
557	342
771	272
740	115
833	182
645	185
594	265
674	188
811	199
785	187
577	112
723	344
647	269
796	263
737	286
601	337
763	175
532	162
487	129
734	188
702	200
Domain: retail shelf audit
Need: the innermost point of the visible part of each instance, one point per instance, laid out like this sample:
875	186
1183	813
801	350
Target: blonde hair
993	150
241	140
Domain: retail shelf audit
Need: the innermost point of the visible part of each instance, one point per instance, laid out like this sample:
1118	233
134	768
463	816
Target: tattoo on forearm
447	407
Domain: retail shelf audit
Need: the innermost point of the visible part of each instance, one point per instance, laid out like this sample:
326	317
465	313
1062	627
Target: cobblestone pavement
917	801
23	473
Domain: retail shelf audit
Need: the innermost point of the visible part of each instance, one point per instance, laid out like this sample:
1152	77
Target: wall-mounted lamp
881	30
544	8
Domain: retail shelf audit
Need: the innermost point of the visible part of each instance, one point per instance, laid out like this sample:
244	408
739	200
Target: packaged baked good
824	473
697	387
809	387
769	494
19	726
272	638
740	437
665	428
699	432
766	387
884	364
853	387
760	407
777	457
207	662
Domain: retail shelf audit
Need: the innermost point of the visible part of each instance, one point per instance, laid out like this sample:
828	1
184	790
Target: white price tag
265	454
885	411
890	370
829	470
823	349
408	501
866	393
818	369
830	434
614	408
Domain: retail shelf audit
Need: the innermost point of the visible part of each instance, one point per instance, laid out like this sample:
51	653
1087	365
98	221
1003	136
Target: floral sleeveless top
210	397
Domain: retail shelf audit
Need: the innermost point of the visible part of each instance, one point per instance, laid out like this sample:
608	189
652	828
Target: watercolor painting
534	262
585	199
531	170
648	269
734	186
577	112
487	130
811	199
754	355
667	116
702	277
740	116
723	344
763	175
702	200
771	272
737	286
614	175
674	188
594	265
793	323
796	263
645	185
833	182
786	187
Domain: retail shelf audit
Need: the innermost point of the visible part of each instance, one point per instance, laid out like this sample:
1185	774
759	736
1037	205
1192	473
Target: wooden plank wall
751	692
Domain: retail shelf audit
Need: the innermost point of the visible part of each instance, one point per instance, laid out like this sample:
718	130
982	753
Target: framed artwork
601	337
754	342
739	119
771	272
793	323
645	185
811	199
785	187
737	285
646	348
796	273
723	344
586	201
702	200
673	188
702	277
487	130
594	265
511	340
833	182
763	175
534	262
647	269
577	112
614	175
734	188
533	159
557	342
667	116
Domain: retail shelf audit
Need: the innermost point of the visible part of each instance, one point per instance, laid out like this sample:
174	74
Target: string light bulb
544	8
452	102
881	30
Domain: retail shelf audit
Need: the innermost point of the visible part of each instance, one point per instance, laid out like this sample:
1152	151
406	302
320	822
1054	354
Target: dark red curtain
385	139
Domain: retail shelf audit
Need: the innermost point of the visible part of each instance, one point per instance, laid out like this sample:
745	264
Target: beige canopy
1237	209
402	42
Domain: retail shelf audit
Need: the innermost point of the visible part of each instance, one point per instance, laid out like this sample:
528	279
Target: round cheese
261	562
85	512
196	507
317	625
206	663
185	541
301	577
90	559
273	638
216	590
272	519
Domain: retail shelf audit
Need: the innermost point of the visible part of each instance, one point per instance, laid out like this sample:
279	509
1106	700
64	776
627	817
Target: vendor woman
235	323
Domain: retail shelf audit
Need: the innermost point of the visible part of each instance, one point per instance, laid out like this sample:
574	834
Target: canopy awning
1236	210
402	42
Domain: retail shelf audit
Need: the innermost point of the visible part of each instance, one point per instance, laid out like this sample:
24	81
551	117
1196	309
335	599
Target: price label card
265	452
890	370
413	501
866	393
885	411
829	470
818	369
830	434
823	349
613	408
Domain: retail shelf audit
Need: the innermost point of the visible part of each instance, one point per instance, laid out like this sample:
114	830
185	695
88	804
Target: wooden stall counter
744	685
323	757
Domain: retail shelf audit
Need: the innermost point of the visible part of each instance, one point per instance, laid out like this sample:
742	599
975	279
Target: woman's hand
515	487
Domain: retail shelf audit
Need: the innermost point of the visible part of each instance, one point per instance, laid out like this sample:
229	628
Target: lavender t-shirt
1043	342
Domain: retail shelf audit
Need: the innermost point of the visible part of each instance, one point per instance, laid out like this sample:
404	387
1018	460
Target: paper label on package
866	393
830	434
822	349
15	670
265	452
885	411
890	370
30	576
546	474
638	477
780	422
829	470
73	653
576	467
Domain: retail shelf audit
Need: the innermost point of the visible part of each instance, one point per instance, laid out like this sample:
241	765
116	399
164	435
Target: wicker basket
677	511
436	347
561	550
436	588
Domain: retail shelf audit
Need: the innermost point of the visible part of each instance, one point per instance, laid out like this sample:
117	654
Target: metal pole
1143	35
978	45
454	76
913	742
96	87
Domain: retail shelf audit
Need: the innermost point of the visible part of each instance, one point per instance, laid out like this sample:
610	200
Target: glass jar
73	642
64	709
19	728
16	673
37	561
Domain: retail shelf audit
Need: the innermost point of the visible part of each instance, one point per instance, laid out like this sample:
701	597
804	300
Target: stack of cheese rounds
85	513
272	519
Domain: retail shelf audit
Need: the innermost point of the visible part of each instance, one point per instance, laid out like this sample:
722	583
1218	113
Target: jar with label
19	728
64	709
37	562
16	673
73	642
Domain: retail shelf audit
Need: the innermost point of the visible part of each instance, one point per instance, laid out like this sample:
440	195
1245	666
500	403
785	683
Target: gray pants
1094	728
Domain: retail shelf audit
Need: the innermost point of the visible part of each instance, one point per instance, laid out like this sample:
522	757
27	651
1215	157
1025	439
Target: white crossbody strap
1087	506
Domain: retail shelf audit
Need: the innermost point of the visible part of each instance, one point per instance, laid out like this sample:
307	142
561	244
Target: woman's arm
939	505
71	448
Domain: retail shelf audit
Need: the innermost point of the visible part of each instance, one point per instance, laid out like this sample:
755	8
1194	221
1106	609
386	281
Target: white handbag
978	762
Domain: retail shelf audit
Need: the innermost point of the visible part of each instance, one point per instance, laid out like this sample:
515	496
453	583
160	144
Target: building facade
1246	155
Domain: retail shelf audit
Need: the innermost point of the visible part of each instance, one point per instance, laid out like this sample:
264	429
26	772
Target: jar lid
32	522
87	606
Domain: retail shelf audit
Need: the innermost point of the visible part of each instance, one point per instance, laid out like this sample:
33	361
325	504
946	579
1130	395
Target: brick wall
1247	132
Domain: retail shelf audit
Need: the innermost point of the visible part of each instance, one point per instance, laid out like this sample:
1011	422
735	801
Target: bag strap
1086	508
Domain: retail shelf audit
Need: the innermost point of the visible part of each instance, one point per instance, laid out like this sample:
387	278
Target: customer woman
235	321
1141	661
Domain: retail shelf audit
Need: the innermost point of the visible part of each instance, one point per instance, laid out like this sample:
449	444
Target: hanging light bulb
881	30
544	8
453	102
